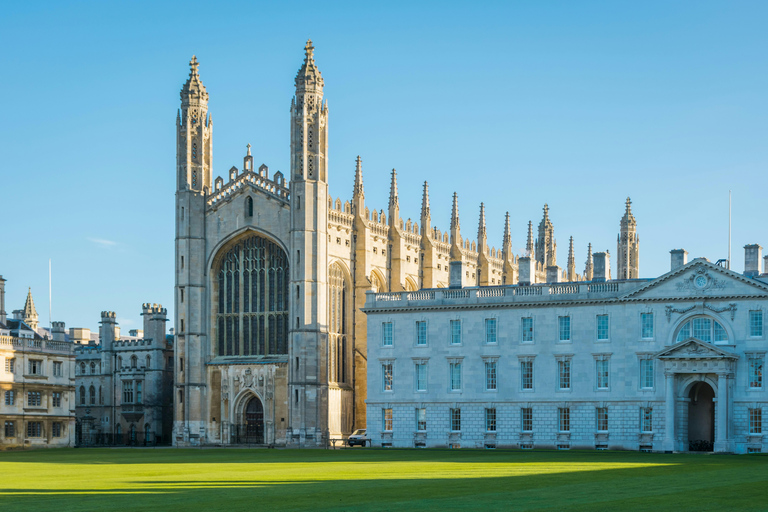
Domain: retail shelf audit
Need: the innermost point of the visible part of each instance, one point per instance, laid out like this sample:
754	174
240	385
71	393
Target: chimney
527	270
765	265
602	266
553	274
679	258
753	255
57	331
456	274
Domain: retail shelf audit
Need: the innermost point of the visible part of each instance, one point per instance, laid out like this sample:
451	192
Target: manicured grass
378	479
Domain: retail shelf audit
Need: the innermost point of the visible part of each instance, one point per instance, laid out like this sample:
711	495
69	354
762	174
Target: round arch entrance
254	421
701	418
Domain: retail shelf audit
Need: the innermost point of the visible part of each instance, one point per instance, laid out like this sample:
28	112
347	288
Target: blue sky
514	104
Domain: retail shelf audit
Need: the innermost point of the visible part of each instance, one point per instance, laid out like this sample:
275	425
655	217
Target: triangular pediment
693	348
699	280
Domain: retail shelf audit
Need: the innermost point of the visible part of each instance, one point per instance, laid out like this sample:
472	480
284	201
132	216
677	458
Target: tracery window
252	315
338	324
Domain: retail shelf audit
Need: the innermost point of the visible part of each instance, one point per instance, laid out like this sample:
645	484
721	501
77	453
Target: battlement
142	342
108	316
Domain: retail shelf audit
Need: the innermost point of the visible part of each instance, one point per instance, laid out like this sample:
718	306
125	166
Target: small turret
248	161
627	245
530	248
394	202
109	332
358	193
589	268
426	217
155	316
58	331
571	269
30	313
546	247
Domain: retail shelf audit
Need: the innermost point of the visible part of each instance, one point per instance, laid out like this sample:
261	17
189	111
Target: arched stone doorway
701	418
254	421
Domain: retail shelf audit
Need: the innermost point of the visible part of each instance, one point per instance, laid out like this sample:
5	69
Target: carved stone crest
700	281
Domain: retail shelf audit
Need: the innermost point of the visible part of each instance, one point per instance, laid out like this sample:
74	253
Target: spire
628	212
481	234
529	249
588	268
358	190
30	313
455	213
627	245
309	79
425	214
506	244
193	91
571	262
546	247
394	201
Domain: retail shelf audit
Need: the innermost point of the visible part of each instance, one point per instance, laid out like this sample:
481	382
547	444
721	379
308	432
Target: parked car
358	437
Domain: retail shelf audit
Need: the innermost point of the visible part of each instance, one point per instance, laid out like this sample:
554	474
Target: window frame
527	370
418	365
564	373
455	332
387	334
755	420
455	380
526	419
421	424
647	372
421	329
607	328
643	316
603	375
759	325
455	419
564	419
564	329
646	420
386	419
490	420
754	371
387	376
601	416
491	331
523	332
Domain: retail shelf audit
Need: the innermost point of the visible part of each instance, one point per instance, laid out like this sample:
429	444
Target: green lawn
377	479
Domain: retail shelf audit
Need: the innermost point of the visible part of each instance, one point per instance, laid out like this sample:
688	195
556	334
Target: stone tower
308	334
194	130
546	246
628	246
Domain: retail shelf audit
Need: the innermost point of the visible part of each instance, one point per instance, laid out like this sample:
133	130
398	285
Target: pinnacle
358	189
29	306
393	196
425	201
193	88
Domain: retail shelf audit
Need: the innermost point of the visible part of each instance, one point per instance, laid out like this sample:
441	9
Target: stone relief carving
700	281
671	309
730	307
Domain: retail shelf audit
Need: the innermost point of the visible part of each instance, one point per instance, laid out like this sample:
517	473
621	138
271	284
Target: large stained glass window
252	306
338	299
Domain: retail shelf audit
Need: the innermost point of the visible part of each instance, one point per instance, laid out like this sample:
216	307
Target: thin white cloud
102	242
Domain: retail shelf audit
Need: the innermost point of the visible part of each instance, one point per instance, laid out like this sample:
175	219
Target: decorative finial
249	149
193	64
309	49
546	210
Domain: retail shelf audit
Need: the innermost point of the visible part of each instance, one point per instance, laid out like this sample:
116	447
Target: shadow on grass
738	484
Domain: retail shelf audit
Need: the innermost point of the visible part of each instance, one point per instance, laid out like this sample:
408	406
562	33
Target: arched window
82	368
133	433
82	395
149	360
248	207
702	328
146	433
92	395
252	299
93	368
376	284
119	363
338	321
134	361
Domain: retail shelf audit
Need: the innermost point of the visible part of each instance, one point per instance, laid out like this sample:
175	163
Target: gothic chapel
271	274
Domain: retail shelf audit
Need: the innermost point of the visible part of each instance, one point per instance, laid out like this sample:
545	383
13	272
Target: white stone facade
667	364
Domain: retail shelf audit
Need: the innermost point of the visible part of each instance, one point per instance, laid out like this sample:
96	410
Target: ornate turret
530	249
546	247
628	246
589	268
194	130
426	216
455	227
309	122
358	193
509	272
571	269
482	237
394	202
30	313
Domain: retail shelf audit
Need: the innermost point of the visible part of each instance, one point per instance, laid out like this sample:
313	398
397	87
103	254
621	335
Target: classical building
271	274
36	381
673	363
124	384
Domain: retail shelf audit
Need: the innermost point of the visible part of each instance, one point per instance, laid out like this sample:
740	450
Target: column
669	416
721	414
